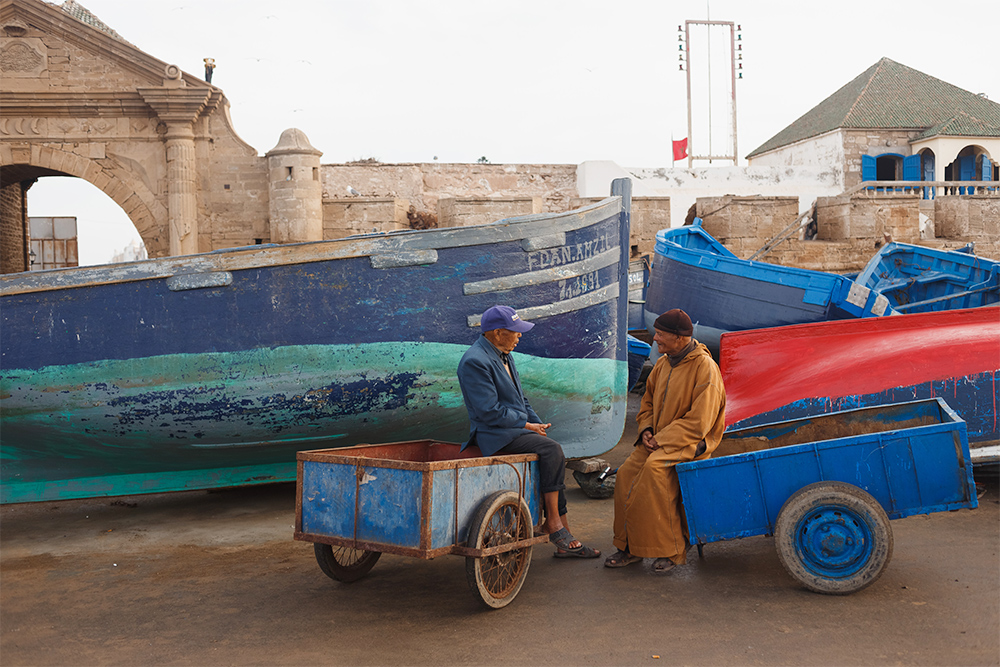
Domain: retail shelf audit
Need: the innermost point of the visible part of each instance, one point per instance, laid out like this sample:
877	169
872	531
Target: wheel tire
834	538
343	563
500	519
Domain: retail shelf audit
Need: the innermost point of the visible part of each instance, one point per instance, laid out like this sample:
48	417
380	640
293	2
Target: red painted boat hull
785	372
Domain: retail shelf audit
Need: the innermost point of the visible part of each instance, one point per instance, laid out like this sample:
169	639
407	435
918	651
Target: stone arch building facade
80	101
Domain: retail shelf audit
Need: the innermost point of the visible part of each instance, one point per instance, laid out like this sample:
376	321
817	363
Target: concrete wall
685	186
822	151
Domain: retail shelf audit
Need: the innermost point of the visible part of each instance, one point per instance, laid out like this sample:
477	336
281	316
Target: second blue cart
424	499
827	486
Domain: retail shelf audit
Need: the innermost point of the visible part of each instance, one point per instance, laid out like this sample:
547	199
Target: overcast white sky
517	81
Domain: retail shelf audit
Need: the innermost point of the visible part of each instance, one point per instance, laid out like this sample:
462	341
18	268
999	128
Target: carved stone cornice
74	104
176	105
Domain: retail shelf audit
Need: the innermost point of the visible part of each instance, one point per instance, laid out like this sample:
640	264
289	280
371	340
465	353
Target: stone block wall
362	215
465	211
649	215
864	216
973	218
423	184
13	223
745	224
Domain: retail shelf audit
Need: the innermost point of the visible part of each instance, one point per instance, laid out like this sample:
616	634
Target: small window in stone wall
315	173
288	177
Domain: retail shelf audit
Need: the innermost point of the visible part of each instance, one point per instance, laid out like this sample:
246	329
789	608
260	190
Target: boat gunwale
968	261
364	245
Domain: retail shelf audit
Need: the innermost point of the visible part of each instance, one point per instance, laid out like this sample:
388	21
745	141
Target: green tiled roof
81	13
889	95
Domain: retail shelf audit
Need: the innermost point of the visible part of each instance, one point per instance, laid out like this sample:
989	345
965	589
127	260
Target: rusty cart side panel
411	498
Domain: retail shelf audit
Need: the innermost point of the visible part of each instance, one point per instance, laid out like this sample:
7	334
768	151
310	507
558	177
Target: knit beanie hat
675	321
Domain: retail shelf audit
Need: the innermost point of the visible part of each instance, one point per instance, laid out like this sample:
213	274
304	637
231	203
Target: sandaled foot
663	565
564	540
621	559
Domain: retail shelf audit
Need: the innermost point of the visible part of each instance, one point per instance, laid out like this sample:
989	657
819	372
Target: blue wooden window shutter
868	172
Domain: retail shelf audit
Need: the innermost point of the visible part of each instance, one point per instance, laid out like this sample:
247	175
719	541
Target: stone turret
296	192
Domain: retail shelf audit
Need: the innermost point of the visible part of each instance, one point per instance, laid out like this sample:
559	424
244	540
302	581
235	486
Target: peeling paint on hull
213	370
259	406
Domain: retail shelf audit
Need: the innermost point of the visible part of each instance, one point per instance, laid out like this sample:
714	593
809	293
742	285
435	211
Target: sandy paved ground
214	578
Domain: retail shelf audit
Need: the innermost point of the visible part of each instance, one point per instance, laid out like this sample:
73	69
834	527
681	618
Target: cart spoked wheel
503	518
343	563
833	537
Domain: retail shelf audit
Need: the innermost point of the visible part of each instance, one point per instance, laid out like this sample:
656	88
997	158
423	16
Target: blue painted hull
213	370
922	280
723	293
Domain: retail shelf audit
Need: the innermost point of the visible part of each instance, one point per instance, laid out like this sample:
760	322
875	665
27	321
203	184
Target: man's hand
649	442
537	428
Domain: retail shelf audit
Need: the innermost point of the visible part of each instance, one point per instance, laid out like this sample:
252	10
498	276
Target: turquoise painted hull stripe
184	415
125	485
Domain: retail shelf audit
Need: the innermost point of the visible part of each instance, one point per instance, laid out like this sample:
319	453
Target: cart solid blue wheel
833	537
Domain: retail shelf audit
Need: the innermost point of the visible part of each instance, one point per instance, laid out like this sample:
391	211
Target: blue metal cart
421	498
827	486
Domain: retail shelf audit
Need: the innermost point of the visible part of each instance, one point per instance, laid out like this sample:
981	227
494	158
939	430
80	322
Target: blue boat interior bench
826	486
424	499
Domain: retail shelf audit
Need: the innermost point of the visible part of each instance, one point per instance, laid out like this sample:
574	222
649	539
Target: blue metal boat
916	279
721	292
213	370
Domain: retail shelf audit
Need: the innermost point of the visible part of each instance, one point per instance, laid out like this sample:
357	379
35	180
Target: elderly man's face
505	339
669	343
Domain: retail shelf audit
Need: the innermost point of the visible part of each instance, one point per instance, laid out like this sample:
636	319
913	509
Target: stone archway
24	164
80	101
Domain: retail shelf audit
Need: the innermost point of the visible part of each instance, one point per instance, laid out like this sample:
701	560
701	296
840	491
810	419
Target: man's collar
504	356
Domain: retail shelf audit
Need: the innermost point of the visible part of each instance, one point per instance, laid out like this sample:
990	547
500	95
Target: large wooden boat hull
790	372
213	370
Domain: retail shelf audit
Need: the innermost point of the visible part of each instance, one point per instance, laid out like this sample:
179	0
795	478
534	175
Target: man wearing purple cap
682	417
502	421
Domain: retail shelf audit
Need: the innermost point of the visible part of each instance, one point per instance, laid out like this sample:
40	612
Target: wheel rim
833	541
500	573
347	556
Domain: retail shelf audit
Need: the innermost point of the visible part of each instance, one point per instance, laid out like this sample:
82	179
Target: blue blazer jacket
498	409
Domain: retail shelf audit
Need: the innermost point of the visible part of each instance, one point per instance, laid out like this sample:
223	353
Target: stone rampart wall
362	215
423	184
465	211
744	224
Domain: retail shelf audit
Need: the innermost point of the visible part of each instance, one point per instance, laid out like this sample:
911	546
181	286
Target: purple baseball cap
504	317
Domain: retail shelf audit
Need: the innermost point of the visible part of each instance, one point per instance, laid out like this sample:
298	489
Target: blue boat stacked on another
722	293
916	279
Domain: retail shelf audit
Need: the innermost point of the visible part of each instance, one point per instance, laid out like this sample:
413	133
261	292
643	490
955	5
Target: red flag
680	149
